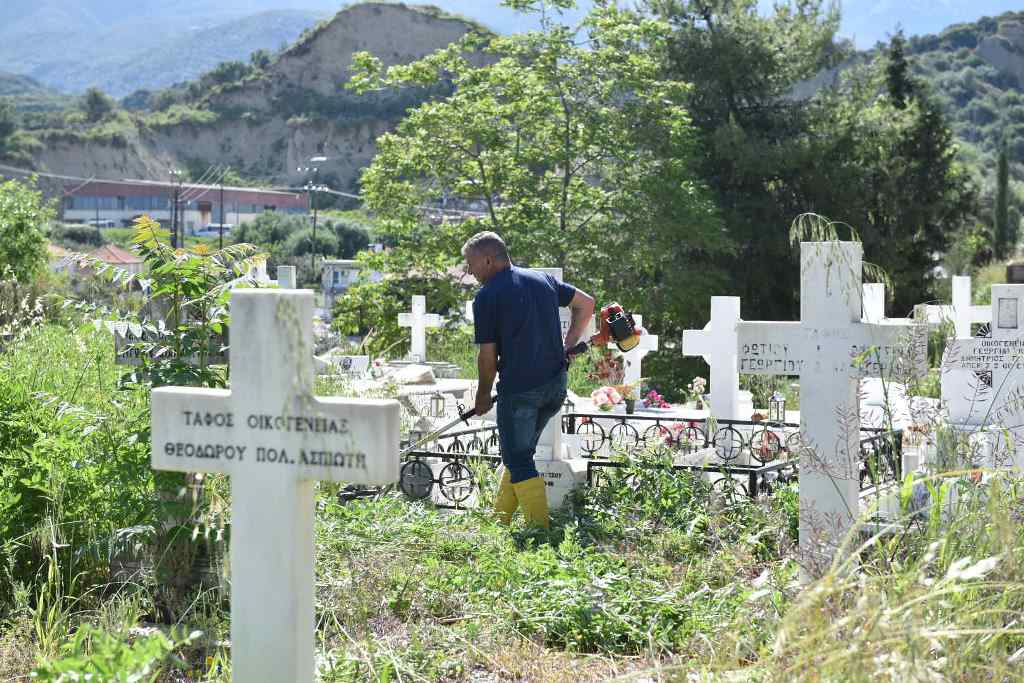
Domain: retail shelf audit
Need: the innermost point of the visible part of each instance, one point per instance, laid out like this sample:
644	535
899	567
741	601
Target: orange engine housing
616	326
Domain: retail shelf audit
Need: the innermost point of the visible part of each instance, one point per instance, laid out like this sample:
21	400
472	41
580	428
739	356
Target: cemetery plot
830	348
275	438
418	320
983	377
962	313
716	343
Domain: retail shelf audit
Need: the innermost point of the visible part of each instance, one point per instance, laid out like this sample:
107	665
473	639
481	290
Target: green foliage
301	243
23	218
96	104
269	229
260	59
95	655
8	121
1004	242
775	151
352	234
74	235
192	288
579	156
628	581
900	85
372	308
178	115
68	440
992	274
454	344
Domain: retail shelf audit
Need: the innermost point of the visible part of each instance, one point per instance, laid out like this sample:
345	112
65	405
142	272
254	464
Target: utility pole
311	190
220	244
176	181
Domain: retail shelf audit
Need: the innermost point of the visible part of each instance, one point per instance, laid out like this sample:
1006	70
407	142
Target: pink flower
605	397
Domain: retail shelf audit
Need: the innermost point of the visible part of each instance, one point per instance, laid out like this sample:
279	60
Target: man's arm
487	369
582	307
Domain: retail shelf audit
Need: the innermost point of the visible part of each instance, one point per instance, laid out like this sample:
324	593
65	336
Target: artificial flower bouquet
606	398
695	390
655	400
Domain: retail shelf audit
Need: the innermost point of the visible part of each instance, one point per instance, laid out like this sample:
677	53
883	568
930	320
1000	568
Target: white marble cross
874	302
718	346
419	320
275	439
634	358
830	349
962	312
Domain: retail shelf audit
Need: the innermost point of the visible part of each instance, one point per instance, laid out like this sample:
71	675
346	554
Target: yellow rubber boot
505	502
533	498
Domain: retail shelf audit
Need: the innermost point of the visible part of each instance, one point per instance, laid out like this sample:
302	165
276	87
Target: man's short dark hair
487	243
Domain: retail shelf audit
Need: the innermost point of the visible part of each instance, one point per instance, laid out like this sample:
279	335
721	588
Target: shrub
23	213
301	243
76	235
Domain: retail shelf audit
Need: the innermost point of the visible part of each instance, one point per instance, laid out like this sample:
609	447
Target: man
519	334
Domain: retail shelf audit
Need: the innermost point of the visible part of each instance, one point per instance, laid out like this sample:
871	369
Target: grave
419	320
874	302
717	344
633	359
992	397
275	439
830	349
962	313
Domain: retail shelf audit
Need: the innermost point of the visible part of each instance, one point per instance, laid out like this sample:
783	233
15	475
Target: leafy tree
896	176
23	213
568	143
897	72
192	288
260	59
8	121
744	67
96	104
352	236
269	229
301	243
777	146
227	72
1003	245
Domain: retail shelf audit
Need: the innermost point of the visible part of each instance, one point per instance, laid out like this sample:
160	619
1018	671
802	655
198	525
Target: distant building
337	275
119	258
122	201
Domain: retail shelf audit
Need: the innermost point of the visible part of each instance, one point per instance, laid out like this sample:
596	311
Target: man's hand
483	404
570	354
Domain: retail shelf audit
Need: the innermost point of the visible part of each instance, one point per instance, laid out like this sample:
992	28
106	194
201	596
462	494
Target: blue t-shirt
517	309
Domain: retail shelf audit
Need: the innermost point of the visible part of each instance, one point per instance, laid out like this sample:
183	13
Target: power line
198	192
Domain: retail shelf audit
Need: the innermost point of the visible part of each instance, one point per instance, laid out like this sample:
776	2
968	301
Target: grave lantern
568	421
777	408
437	404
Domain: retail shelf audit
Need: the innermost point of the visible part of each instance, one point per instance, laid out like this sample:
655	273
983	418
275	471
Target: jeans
521	419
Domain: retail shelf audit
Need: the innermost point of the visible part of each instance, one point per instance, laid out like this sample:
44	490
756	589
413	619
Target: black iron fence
733	440
753	456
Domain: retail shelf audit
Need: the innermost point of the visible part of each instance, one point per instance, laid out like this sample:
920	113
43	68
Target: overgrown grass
650	575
